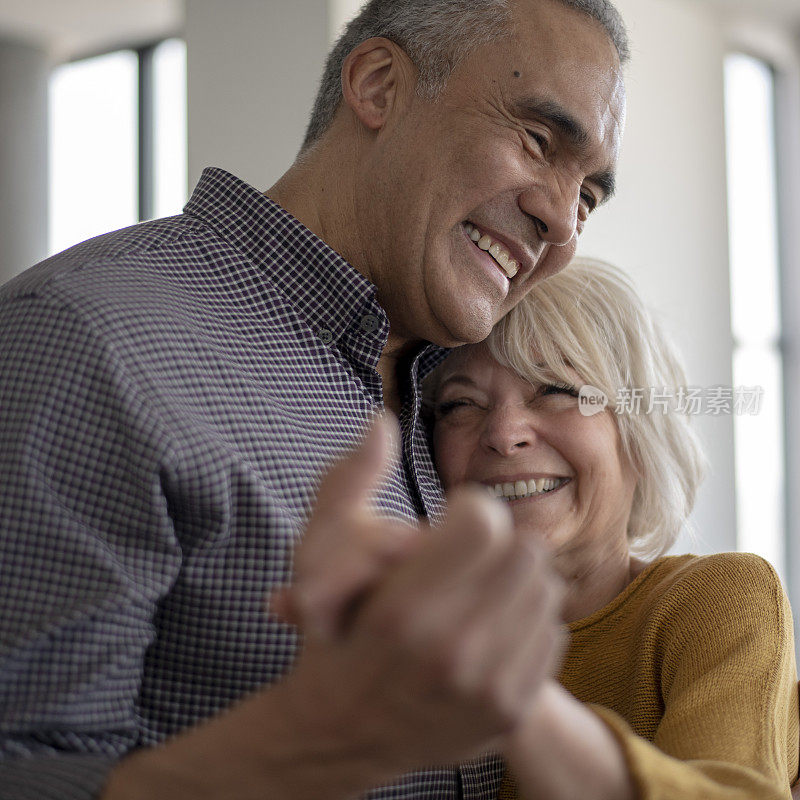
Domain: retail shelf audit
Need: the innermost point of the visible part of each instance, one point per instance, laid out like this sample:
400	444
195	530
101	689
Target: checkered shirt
169	394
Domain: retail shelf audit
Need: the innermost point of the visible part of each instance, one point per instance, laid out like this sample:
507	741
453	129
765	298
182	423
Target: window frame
752	37
145	114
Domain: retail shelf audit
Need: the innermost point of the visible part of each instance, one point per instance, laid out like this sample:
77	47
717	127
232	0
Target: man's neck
318	191
330	214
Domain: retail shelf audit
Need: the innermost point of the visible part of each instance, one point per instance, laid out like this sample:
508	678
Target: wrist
268	745
563	750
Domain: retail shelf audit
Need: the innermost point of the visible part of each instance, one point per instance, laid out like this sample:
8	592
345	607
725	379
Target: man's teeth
495	250
520	489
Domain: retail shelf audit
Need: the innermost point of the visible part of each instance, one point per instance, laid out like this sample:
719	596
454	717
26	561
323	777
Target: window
170	177
117	141
755	305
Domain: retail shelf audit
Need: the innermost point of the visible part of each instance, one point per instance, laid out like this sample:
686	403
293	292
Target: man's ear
374	77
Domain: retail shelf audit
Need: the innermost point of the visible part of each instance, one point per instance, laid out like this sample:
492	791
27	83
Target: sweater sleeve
728	685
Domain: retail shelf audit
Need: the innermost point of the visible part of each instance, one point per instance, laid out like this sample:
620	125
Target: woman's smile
514	490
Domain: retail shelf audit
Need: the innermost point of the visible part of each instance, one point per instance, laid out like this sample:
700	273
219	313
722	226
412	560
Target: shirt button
326	337
370	323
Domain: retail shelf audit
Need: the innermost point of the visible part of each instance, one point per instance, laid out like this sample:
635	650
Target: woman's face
570	483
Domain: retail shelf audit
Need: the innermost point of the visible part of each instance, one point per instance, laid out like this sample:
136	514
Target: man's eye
559	388
540	139
589	200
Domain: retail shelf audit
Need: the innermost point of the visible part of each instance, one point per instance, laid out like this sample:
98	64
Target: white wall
23	156
252	70
667	224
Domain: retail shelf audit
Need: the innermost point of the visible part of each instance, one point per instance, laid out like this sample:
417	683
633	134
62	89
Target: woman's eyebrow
465	380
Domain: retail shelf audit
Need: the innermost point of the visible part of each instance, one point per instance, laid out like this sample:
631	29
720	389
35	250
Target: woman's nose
507	431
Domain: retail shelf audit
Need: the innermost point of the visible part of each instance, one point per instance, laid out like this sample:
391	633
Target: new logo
591	401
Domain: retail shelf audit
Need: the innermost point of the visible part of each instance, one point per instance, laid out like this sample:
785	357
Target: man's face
520	147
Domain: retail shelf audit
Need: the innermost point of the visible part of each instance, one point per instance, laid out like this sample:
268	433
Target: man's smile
496	249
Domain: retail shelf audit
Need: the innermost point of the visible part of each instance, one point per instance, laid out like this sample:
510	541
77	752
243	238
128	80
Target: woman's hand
563	751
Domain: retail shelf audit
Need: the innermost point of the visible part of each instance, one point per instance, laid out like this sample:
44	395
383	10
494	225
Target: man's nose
507	431
553	205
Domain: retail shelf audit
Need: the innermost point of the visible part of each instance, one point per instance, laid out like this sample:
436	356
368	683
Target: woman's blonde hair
589	318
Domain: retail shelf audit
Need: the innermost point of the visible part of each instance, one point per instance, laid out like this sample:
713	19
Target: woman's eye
559	388
448	406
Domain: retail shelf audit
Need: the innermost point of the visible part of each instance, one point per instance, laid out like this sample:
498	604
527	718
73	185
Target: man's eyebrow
571	129
607	183
556	115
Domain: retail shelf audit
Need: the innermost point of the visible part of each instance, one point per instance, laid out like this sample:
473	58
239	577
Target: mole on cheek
516	73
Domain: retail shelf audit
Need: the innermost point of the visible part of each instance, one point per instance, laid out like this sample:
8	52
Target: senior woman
679	668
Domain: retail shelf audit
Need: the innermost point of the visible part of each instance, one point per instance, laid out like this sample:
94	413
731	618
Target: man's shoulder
146	244
155	277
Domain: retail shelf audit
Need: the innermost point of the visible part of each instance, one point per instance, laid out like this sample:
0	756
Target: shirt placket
417	455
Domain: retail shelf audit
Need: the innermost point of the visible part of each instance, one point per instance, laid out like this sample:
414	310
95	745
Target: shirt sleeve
86	552
729	688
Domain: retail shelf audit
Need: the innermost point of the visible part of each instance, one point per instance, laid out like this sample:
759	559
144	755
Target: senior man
171	393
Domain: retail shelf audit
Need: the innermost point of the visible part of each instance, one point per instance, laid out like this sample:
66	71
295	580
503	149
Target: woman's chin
540	528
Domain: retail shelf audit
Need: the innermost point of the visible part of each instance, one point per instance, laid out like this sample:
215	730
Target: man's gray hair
436	35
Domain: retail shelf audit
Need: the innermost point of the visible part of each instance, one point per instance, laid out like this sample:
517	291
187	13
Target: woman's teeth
520	489
495	250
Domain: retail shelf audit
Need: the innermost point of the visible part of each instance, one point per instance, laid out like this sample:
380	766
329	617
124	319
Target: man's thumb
352	479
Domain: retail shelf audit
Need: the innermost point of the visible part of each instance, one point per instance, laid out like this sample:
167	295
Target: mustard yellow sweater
692	668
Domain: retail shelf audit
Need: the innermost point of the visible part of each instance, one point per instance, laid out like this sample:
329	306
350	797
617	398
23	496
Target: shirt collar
430	356
328	291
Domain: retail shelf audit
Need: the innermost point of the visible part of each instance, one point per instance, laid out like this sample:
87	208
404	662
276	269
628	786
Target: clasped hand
423	644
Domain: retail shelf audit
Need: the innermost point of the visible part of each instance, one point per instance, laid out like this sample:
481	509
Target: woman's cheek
447	459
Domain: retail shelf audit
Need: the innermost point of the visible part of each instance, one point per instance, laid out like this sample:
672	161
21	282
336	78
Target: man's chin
452	325
456	336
